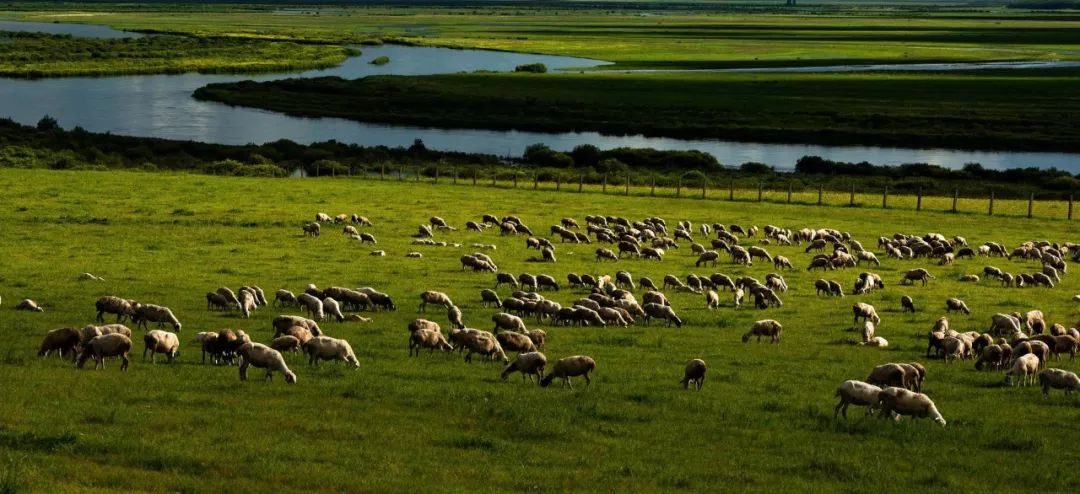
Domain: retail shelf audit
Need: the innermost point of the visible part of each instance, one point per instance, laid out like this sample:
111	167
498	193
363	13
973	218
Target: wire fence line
694	185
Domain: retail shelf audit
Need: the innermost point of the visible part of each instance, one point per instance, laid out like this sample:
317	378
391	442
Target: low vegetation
764	417
953	110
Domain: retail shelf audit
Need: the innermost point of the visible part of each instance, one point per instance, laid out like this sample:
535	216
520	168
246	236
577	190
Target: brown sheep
694	374
765	327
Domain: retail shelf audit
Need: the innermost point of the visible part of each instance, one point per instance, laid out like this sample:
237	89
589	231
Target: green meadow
763	421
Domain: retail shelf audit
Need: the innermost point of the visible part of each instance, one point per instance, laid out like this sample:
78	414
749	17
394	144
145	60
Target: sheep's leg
124	364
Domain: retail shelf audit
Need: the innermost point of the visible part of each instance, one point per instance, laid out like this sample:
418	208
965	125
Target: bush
383	60
536	68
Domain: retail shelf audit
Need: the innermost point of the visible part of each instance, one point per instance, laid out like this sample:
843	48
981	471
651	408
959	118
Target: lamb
327	348
712	299
1027	365
764	327
154	313
313	307
956	305
857	393
900	401
158	341
877	342
106	345
694	374
114	305
511	322
528	364
61	340
515	342
432	339
660	311
865	311
565	368
29	305
1058	379
248	302
433	297
285	298
287	343
868	331
312	229
263	357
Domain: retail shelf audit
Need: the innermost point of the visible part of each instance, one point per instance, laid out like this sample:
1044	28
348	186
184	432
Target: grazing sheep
709	256
867	331
433	297
263	357
712	299
106	345
429	338
489	297
1065	344
313	307
917	274
565	368
894	375
857	393
510	322
764	327
1001	324
545	281
1026	365
660	311
114	305
956	305
453	314
312	229
284	298
515	342
528	364
158	341
907	304
154	313
994	356
286	343
367	238
216	301
62	340
865	311
900	401
283	323
327	348
625	280
1058	379
482	343
333	308
28	305
248	302
694	374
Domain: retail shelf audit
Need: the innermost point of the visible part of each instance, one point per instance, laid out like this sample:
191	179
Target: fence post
851	202
536	181
759	186
418	174
580	182
558	182
918	201
955	195
455	176
991	212
678	188
885	198
1031	201
400	173
605	184
382	172
1070	206
789	192
731	191
652	191
494	175
627	184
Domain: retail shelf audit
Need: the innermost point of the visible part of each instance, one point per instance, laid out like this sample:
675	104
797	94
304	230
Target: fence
740	190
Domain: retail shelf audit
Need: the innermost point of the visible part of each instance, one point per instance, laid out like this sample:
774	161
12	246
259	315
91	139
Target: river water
162	106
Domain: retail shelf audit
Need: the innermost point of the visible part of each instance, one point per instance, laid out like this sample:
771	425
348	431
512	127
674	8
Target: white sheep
158	341
511	322
877	342
154	313
333	308
432	339
1027	365
327	348
852	392
263	357
436	298
106	345
28	305
865	311
248	302
899	401
1058	379
868	331
312	306
764	327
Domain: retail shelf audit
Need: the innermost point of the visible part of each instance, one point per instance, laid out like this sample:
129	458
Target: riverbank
34	55
956	110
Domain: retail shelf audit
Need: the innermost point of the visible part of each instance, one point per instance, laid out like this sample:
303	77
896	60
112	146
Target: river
162	106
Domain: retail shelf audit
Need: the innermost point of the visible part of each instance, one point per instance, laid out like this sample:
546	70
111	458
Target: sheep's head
176	326
746	337
290	377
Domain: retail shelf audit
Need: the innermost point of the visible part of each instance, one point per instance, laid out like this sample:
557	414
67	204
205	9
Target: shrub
536	68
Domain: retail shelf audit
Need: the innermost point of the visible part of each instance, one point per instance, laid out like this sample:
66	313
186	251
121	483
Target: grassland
763	421
939	110
40	55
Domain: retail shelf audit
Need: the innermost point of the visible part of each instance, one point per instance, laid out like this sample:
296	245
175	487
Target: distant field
679	39
762	422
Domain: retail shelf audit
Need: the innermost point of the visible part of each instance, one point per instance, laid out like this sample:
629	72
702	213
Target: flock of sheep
1019	344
